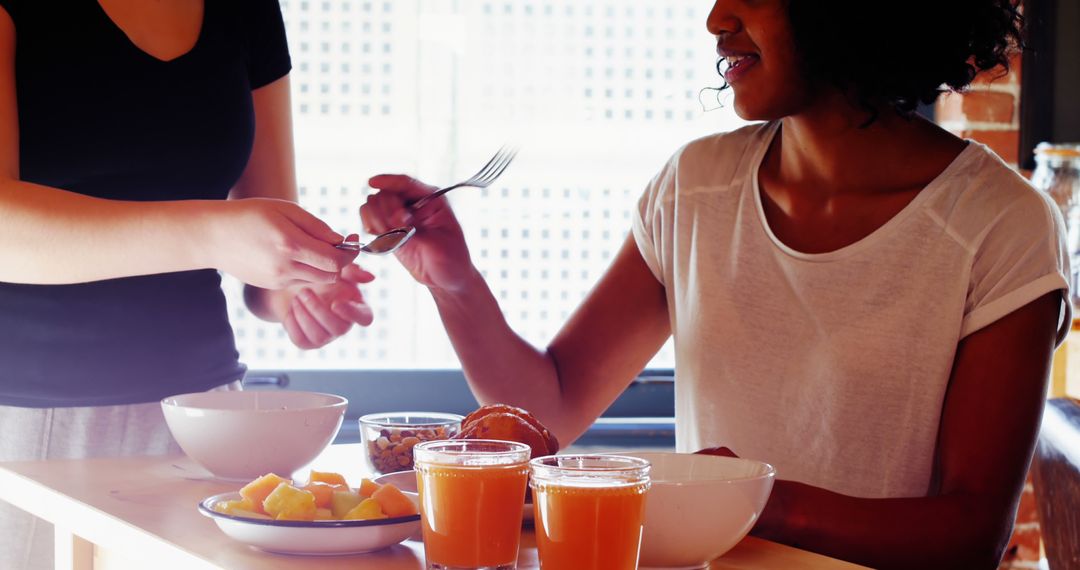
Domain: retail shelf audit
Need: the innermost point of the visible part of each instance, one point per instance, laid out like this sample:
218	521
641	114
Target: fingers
298	337
392	209
382	212
302	329
311	225
318	316
307	326
302	273
319	255
311	242
354	311
356	274
312	322
408	188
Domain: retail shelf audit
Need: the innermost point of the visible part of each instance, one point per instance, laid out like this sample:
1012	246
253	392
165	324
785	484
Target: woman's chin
755	108
748	111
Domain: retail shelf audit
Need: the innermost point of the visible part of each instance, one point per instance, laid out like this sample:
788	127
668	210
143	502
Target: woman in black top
124	126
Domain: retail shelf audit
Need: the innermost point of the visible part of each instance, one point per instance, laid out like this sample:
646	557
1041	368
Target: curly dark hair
901	55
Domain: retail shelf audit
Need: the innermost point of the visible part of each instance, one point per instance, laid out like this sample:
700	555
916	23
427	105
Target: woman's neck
830	147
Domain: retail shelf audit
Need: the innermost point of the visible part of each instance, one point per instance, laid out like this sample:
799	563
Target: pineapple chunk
289	503
393	502
327	477
341	502
368	509
242	508
227	507
257	490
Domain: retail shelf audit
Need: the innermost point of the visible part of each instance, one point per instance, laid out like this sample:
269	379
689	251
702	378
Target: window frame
642	416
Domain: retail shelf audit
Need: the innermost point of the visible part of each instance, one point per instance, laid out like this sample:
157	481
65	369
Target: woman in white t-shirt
856	296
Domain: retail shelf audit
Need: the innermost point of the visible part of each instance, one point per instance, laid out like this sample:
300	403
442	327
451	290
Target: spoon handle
349	246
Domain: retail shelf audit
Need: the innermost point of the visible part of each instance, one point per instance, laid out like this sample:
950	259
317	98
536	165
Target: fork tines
494	168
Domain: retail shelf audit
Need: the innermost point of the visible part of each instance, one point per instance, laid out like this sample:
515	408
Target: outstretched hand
319	314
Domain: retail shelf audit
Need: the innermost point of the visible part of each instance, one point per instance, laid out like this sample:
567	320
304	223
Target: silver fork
482	179
391	240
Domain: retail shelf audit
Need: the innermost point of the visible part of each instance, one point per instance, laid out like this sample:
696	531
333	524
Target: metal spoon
383	244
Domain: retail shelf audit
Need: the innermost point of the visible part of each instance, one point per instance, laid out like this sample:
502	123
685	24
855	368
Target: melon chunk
368	488
327	477
393	502
341	502
323	492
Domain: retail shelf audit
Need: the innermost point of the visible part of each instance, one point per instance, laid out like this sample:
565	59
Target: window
454	81
597	153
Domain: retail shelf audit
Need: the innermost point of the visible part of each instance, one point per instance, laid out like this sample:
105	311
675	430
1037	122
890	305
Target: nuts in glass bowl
390	437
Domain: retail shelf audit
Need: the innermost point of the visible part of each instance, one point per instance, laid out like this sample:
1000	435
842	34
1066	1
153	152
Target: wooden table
140	513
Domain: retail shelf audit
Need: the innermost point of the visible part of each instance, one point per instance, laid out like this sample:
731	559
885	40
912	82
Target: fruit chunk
327	477
324	515
257	490
289	503
341	502
242	508
239	509
368	509
393	502
323	492
228	506
367	488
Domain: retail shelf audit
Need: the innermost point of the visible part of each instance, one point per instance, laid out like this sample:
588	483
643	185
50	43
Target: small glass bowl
389	437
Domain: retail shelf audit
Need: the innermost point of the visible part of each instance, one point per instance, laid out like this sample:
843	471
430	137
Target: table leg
72	552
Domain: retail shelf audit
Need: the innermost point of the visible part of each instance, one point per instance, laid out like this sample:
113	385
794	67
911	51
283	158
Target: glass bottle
1057	172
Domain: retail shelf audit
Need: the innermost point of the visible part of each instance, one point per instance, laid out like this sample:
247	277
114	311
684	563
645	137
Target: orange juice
472	516
472	494
586	528
590	510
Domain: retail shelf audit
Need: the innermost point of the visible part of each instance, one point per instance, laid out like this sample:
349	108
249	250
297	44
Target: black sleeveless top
100	117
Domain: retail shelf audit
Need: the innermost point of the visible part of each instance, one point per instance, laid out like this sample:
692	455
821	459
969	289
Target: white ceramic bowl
242	435
699	507
322	538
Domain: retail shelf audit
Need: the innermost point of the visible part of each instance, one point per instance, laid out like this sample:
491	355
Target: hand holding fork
392	239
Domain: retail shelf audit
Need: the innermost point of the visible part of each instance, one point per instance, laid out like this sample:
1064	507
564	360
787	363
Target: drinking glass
589	510
472	496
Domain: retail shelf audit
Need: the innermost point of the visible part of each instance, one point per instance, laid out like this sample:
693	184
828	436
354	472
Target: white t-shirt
833	367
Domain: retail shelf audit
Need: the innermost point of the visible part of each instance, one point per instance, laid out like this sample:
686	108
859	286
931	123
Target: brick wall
990	113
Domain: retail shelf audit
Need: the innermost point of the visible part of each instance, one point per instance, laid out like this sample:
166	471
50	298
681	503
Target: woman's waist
145	307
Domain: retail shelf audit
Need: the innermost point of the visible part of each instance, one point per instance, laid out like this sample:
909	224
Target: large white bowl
242	435
699	507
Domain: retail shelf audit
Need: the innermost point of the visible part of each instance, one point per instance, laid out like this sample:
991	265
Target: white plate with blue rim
312	538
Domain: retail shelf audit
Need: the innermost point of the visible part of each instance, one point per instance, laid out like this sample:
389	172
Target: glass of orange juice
472	495
589	510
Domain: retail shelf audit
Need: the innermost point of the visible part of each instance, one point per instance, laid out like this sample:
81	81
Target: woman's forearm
948	531
50	236
500	366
